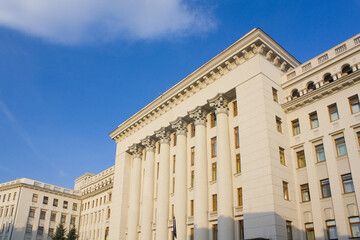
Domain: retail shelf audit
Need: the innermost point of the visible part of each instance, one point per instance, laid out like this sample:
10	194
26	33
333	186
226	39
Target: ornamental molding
180	125
322	92
163	134
149	143
136	150
254	43
198	115
219	103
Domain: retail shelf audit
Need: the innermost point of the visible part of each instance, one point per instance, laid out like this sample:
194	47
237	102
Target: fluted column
148	190
224	176
163	193
201	231
180	174
134	200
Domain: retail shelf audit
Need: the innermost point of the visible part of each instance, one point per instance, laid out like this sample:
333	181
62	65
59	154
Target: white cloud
74	21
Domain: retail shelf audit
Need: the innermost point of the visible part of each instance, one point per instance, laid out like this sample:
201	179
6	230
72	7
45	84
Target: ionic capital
136	150
149	143
220	103
198	115
163	134
180	125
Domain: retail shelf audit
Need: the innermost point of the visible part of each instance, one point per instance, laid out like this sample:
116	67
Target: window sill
349	193
239	173
301	168
212	182
325	198
320	163
342	157
190	189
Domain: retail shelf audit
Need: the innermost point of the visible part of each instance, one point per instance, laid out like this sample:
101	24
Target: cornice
254	43
317	94
97	191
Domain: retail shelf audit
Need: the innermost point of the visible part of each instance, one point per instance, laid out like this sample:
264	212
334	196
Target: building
252	145
32	210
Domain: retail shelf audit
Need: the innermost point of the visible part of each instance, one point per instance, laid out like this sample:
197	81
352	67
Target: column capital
219	103
180	125
136	150
198	115
149	143
163	134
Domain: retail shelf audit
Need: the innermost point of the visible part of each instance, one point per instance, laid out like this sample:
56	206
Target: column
163	187
148	189
180	204
134	201
201	231
224	174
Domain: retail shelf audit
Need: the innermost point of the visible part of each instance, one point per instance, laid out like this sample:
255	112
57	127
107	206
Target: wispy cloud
71	22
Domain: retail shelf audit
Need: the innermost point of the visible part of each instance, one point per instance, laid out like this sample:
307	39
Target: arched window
295	94
346	70
311	86
328	78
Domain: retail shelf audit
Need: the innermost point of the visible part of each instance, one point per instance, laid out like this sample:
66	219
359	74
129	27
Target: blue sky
72	71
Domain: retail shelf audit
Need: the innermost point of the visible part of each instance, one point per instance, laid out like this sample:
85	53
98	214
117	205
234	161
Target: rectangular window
192	130
340	147
42	214
173	185
282	155
157	172
174	139
236	136
213	171
305	193
275	95
354	104
212	120
45	200
63	218
192	157
314	121
192	178
174	160
191	233
215	232
278	124
191	207
53	216
333	112
241	229
235	109
29	228
355	226
295	127
286	190
172	211
213	147
309	231
289	230
9	196
325	188
51	233
214	202
320	153
300	155
34	197
331	229
347	183
358	137
65	204
32	212
238	163
239	197
40	231
74	208
72	220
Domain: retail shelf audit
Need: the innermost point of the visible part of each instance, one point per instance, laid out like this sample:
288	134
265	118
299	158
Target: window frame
282	156
353	223
192	156
325	183
299	159
278	124
353	102
339	144
305	191
289	230
35	197
213	171
275	95
332	108
235	109
328	226
295	124
286	190
313	117
238	163
309	229
236	137
344	181
239	197
319	148
214	202
213	147
213	121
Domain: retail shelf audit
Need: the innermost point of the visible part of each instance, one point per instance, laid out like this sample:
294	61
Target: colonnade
224	180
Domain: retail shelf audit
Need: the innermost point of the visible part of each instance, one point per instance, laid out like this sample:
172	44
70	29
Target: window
192	178
328	78
346	70
311	86
215	232
74	208
314	121
157	174
173	185
320	153
358	137
213	171
34	197
340	147
354	104
236	136
278	124
63	218
9	197
192	158
51	232
331	229
305	193
214	202
212	120
289	230
241	229
286	190
53	216
192	130
40	231
174	160
32	212
282	155
28	228
347	183
333	112
172	211
213	147
191	233
275	95
14	196
72	220
295	127
174	139
110	195
355	226
238	163
309	231
325	188
235	109
300	155
239	197
191	207
65	204
42	214
45	200
108	213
